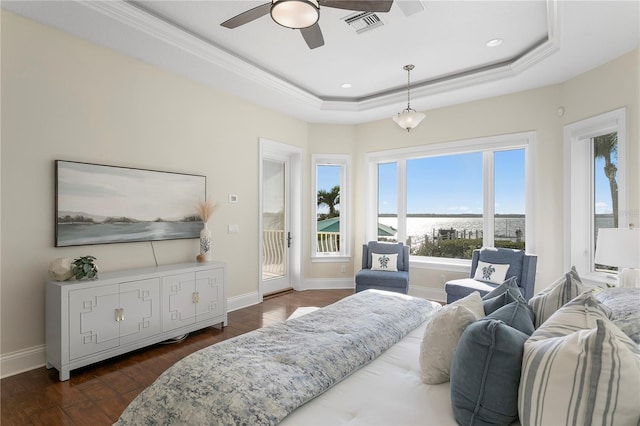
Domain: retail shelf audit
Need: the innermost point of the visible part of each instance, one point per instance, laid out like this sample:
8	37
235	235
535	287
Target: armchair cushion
382	280
462	287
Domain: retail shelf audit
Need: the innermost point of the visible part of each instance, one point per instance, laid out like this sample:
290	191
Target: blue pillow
510	284
492	305
485	373
517	315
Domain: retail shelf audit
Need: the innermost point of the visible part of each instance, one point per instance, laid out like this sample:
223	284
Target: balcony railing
273	259
328	242
273	246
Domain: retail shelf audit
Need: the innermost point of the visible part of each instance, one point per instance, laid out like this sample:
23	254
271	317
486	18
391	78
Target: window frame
344	162
487	145
579	198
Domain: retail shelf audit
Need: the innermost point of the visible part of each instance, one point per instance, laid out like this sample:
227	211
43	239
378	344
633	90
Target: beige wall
63	98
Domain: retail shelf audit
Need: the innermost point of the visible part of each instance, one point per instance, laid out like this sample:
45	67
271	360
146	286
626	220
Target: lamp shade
408	119
618	247
295	13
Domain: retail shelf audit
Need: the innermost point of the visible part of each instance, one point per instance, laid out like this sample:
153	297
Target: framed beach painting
100	204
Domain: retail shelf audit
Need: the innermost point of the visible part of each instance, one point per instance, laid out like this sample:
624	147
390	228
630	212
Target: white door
280	216
276	233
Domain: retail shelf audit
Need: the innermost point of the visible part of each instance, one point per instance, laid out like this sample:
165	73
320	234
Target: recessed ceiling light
345	85
494	42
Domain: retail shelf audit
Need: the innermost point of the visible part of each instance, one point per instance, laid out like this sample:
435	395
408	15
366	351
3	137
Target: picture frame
104	204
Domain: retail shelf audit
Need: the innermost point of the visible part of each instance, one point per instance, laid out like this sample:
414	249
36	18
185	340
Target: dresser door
140	303
209	285
178	301
93	323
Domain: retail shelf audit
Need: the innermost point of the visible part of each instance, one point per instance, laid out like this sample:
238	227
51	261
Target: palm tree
605	147
331	199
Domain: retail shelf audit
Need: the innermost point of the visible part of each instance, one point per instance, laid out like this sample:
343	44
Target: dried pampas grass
205	210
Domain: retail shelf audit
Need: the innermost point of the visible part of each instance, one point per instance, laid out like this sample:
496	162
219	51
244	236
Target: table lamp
620	247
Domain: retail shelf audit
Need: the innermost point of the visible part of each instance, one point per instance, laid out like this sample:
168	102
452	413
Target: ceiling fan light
408	119
295	13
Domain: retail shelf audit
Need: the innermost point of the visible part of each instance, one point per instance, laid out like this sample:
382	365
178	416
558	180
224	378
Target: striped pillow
589	376
552	298
578	314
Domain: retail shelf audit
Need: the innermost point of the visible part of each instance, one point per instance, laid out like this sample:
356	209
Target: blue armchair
369	278
521	265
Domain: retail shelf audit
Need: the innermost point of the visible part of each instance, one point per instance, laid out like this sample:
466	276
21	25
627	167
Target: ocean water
75	234
505	227
421	226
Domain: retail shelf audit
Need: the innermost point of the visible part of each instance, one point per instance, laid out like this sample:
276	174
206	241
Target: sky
453	184
138	194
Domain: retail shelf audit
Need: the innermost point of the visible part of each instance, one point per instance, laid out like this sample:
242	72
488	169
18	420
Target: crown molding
131	30
140	20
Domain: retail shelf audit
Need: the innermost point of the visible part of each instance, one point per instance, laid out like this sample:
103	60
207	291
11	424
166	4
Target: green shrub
460	248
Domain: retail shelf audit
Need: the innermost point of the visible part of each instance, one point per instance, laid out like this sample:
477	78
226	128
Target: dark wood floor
97	394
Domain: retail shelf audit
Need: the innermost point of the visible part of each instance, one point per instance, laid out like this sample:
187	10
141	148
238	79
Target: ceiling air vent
363	21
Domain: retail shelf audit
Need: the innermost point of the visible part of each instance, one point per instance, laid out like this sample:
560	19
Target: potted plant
85	267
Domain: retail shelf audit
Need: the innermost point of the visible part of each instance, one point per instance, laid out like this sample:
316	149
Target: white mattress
388	391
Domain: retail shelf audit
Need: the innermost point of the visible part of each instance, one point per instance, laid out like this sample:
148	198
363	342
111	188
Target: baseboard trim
20	361
242	301
434	294
326	284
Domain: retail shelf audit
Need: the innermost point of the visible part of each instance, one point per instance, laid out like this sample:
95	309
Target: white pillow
473	302
442	334
384	262
589	376
491	272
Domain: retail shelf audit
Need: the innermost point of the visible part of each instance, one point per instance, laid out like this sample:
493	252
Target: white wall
63	98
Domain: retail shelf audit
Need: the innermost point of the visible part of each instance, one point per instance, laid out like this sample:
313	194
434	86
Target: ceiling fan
304	14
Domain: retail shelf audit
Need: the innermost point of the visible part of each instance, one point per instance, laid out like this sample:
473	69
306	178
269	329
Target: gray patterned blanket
260	377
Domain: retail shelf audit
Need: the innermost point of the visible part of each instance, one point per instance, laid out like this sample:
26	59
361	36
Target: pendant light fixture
295	14
408	118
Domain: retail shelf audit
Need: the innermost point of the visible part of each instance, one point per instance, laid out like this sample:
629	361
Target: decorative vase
205	244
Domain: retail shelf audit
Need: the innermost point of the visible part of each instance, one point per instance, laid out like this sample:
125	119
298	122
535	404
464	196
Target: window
445	200
596	187
330	239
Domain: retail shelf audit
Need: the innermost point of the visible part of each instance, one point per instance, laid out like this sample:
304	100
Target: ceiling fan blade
359	5
248	16
313	36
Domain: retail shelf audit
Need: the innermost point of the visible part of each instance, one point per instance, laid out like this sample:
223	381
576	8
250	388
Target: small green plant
84	267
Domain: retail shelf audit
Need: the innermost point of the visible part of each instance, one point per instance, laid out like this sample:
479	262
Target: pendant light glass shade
295	13
408	118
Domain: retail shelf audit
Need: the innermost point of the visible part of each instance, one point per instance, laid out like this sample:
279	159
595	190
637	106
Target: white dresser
89	321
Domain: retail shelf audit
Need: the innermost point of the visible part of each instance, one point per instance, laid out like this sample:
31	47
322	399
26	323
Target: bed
353	362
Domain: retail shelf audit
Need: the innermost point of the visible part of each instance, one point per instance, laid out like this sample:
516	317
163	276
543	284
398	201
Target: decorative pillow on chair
491	272
552	298
384	262
589	376
442	334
